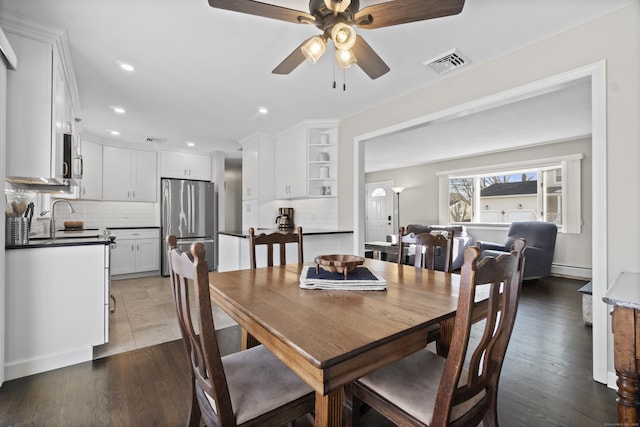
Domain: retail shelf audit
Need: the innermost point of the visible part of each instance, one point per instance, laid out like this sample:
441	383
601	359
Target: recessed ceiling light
191	144
118	110
125	66
115	132
263	110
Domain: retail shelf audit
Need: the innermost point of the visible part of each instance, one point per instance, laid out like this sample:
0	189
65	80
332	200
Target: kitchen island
57	303
233	247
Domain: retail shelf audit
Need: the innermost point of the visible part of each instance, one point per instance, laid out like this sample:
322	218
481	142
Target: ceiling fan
336	20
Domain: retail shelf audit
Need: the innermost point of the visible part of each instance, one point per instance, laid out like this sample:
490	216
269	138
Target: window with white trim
547	190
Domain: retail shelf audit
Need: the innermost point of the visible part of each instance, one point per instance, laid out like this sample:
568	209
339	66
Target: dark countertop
62	241
305	232
132	228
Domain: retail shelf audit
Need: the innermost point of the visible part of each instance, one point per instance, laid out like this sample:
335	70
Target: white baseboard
23	368
571	272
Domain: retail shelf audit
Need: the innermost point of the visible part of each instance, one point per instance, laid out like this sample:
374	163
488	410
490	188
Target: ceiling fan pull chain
334	76
344	80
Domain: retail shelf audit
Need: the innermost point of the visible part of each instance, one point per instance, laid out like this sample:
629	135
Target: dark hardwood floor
546	378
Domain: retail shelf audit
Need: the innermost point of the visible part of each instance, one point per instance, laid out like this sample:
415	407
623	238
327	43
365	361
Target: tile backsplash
110	214
95	214
319	213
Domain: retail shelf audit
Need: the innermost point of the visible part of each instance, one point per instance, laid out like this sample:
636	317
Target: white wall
419	200
615	39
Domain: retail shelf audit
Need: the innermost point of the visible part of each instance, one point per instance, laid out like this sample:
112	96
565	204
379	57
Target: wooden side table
624	296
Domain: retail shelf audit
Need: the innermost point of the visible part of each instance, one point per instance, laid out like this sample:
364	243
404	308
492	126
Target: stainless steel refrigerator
188	211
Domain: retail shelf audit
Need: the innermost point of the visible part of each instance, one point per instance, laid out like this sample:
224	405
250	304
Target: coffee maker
285	218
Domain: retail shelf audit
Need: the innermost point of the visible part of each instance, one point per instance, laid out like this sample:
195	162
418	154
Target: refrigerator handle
192	209
189	203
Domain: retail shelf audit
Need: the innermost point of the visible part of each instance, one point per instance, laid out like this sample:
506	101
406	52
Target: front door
379	211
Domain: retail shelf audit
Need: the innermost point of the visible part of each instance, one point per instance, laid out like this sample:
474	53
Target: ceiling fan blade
290	63
368	59
403	11
257	8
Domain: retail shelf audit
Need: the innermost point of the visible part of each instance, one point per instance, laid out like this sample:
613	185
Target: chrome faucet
52	226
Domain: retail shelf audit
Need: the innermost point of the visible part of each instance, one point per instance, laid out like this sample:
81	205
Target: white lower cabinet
56	303
136	251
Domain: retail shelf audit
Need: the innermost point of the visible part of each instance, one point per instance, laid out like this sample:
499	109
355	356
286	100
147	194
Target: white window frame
571	188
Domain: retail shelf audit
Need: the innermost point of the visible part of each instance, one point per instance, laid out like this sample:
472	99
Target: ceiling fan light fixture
345	58
314	48
343	36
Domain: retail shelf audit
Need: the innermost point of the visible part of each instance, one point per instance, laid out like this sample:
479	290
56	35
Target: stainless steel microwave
72	164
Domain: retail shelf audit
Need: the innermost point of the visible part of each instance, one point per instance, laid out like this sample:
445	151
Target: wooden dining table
332	337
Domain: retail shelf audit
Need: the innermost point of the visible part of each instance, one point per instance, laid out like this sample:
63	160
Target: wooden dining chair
425	389
278	238
247	388
428	247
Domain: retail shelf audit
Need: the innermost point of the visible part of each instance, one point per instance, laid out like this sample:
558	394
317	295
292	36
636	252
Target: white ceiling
202	73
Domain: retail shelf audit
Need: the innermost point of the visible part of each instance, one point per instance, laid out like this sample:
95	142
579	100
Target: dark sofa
538	255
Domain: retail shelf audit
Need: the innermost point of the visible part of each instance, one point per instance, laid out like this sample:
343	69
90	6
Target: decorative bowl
339	263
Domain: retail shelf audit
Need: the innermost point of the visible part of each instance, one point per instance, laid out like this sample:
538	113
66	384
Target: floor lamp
398	190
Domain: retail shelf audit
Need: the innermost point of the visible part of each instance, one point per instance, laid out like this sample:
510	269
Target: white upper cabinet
306	160
91	183
291	167
257	181
129	175
37	110
257	168
176	164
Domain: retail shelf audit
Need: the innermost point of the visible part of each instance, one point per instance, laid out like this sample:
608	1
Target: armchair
538	254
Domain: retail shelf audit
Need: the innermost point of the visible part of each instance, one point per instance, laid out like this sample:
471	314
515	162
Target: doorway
379	211
596	73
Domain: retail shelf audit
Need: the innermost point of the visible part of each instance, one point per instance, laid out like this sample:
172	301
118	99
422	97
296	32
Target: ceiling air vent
447	61
152	140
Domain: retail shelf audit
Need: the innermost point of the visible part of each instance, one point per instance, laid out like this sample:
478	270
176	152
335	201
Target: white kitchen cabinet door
250	169
145	176
123	257
32	90
91	183
250	215
199	167
147	255
173	164
181	165
291	164
129	175
257	168
116	173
